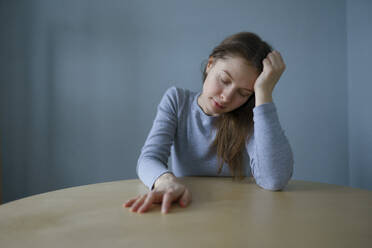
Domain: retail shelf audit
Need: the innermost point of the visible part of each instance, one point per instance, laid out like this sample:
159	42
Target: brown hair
233	128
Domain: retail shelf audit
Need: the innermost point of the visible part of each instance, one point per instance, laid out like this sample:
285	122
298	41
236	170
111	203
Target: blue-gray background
81	80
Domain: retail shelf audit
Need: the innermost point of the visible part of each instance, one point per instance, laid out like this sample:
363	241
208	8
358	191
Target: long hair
235	127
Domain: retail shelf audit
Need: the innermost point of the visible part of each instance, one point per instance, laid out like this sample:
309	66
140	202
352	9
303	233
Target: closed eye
224	82
227	82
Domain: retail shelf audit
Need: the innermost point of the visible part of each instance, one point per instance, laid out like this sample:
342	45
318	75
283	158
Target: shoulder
177	96
178	92
177	100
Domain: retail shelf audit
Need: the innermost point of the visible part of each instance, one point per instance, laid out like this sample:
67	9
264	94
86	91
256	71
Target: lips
218	105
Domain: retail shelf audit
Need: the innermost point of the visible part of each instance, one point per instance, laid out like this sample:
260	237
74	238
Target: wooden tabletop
223	213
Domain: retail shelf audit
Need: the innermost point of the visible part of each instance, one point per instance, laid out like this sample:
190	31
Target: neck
199	100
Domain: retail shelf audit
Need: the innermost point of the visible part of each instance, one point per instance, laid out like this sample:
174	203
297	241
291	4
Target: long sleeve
152	162
271	157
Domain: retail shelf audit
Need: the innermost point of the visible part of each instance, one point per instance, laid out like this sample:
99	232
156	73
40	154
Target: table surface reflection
223	213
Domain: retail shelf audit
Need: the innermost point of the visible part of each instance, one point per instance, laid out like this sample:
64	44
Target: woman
233	115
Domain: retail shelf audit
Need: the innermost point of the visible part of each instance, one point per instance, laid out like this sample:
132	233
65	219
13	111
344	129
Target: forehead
241	72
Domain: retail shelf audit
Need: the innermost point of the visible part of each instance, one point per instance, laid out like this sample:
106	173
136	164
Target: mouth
216	104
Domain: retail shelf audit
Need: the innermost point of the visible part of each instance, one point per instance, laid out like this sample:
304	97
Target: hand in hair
166	190
273	67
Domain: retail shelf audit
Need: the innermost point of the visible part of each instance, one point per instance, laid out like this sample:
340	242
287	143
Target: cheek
211	87
243	101
239	102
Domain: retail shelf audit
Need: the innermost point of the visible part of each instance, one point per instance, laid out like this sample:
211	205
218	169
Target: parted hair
235	127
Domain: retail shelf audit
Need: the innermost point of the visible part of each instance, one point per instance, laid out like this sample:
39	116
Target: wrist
263	96
163	178
262	91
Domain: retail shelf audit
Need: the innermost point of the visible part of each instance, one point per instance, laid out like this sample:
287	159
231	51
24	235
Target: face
228	85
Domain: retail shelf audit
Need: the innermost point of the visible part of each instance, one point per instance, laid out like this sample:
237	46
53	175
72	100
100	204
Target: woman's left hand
273	67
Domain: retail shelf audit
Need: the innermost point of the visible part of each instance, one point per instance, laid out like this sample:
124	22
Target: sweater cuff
264	110
148	170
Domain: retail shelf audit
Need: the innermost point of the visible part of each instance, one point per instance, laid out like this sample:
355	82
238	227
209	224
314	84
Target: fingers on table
167	202
143	203
130	202
138	203
185	198
147	203
135	202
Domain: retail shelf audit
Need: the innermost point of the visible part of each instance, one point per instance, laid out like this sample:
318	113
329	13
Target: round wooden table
223	213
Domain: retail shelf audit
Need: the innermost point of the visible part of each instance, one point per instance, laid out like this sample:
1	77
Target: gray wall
81	80
359	53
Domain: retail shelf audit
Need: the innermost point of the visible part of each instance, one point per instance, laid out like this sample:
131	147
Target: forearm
269	150
263	96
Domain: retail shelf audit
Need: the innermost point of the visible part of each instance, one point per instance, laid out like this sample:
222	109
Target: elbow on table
279	182
275	184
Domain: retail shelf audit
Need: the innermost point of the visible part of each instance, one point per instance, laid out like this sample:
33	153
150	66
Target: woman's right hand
167	189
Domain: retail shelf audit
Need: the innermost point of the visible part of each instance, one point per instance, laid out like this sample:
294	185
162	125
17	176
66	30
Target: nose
226	95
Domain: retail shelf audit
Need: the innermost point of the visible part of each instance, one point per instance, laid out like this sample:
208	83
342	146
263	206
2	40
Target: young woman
232	116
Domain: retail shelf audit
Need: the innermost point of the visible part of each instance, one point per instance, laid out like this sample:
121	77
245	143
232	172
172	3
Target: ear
210	64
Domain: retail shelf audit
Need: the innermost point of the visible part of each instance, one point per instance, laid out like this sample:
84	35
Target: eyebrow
227	72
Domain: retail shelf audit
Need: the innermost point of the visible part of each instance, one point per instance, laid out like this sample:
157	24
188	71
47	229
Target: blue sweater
181	129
